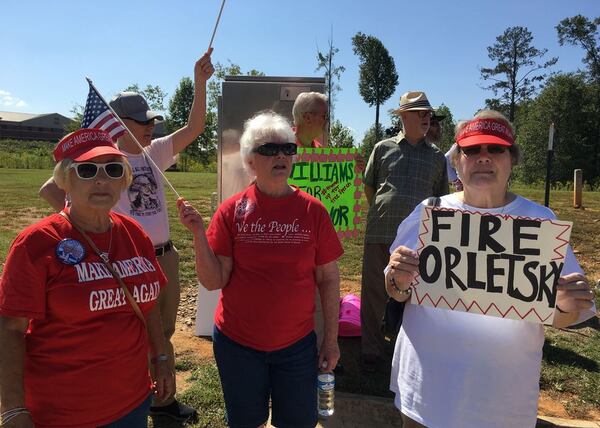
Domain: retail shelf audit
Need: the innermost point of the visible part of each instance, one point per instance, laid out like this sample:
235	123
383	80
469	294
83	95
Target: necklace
104	255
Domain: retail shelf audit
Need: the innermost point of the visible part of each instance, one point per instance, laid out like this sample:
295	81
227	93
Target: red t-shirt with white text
276	245
86	350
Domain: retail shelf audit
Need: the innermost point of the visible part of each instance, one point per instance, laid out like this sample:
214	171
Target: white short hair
306	102
266	126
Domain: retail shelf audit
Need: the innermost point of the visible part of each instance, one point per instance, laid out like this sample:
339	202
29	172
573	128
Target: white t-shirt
144	200
452	174
455	369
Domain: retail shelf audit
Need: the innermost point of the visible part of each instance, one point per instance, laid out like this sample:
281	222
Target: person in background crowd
74	351
145	199
457	369
267	249
401	172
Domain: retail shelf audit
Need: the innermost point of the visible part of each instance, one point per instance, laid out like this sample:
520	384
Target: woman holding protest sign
78	311
461	369
267	249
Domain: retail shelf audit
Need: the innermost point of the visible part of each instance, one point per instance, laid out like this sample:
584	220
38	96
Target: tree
448	126
580	31
568	101
372	136
517	71
332	73
154	95
340	135
180	106
378	77
77	118
204	148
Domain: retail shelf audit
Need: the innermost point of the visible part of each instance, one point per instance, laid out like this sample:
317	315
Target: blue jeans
137	418
249	377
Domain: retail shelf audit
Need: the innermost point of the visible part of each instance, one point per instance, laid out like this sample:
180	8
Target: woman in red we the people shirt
267	249
74	352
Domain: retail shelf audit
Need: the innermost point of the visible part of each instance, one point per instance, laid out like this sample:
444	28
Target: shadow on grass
354	379
557	355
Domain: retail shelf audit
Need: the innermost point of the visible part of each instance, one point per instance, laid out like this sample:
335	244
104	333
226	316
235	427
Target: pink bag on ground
349	316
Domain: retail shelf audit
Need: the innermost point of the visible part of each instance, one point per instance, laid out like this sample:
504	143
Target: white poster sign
496	265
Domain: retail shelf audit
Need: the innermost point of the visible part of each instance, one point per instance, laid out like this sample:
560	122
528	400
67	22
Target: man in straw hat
401	172
145	199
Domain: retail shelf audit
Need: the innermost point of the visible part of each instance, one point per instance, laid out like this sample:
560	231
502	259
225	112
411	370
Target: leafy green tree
581	31
568	101
153	94
372	136
378	77
517	71
332	76
200	150
77	118
448	126
340	135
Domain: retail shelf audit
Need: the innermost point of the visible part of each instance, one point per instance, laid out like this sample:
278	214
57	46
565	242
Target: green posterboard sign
330	175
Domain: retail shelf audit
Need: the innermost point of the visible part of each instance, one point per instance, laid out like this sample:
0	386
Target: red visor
485	131
85	144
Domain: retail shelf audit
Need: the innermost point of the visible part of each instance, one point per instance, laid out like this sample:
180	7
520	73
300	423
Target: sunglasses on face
423	113
141	122
492	149
89	170
273	149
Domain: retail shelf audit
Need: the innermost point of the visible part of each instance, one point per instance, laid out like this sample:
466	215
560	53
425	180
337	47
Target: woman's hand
189	216
404	265
573	293
328	355
164	380
20	421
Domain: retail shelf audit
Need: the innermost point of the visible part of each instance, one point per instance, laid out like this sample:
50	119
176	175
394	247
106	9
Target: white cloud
7	100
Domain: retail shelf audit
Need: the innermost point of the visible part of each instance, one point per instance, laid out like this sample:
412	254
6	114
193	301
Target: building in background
27	126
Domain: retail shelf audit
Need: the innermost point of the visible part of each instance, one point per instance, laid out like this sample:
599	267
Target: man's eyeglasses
273	149
423	113
141	122
89	170
492	149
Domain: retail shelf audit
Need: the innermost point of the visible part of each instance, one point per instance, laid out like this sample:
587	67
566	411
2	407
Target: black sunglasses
141	122
88	170
492	149
273	149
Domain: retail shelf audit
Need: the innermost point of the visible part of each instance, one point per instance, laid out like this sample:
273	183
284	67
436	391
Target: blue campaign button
70	251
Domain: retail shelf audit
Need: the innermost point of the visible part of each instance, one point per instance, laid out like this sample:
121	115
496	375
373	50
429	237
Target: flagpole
216	25
145	153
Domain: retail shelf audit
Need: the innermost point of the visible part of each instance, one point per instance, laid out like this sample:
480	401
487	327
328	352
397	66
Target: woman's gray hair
61	173
515	151
265	127
307	102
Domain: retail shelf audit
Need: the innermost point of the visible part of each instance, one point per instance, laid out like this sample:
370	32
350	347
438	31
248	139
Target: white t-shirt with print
144	200
455	369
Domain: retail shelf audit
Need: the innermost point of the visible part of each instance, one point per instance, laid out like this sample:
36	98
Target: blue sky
50	46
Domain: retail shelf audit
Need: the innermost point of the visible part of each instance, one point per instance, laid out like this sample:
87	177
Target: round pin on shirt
70	251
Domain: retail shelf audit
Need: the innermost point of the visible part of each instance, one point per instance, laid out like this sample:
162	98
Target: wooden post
577	188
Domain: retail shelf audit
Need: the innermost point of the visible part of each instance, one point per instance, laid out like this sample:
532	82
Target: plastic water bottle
326	393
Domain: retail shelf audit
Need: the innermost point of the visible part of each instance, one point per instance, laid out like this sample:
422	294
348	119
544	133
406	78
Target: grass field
570	372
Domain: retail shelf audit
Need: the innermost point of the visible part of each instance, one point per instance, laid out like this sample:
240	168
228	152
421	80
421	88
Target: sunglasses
141	122
492	149
423	113
273	149
89	170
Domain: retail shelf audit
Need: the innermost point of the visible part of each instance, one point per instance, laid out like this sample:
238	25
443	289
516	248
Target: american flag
98	115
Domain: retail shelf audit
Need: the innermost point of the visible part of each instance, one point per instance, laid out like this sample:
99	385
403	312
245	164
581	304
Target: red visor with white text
485	131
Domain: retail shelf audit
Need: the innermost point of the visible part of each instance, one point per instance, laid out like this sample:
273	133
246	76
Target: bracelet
12	413
160	358
560	310
406	292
